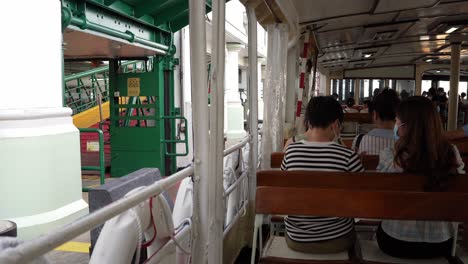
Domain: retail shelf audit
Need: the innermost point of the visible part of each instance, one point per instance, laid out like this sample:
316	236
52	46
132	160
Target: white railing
32	249
238	185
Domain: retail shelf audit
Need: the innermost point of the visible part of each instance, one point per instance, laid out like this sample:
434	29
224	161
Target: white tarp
274	92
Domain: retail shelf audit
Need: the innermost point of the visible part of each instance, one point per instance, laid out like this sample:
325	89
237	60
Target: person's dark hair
368	103
335	95
424	149
350	102
431	91
404	95
323	111
463	95
385	104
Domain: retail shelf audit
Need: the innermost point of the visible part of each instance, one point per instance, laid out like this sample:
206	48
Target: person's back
383	114
320	152
422	149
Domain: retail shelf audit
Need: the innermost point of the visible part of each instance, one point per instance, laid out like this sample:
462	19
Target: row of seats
355	195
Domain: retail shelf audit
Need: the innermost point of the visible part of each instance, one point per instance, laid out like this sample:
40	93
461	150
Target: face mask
395	132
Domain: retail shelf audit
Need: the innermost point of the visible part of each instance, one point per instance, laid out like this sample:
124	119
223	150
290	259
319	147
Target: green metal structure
142	113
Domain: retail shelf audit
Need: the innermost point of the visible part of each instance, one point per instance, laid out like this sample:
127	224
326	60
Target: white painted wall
44	88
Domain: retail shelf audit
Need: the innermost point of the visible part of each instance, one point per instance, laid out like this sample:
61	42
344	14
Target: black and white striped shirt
319	156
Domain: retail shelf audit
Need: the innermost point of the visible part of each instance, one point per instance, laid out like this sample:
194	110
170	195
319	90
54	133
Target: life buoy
121	235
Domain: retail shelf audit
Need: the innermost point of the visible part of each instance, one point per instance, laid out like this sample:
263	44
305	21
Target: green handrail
88	73
102	165
185	140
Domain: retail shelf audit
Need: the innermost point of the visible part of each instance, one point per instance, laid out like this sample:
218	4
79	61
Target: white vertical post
328	86
253	101
454	79
418	80
200	132
215	182
357	86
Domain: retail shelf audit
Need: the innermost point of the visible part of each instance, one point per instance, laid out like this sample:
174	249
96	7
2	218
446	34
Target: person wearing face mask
420	148
383	116
320	152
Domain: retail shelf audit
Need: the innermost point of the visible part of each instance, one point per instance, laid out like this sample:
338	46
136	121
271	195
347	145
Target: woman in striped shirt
320	152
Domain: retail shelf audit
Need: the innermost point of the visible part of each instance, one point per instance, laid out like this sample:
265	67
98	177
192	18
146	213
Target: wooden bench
462	145
369	162
360	118
355	195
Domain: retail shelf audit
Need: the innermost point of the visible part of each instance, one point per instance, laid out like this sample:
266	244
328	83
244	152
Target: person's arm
284	163
354	163
289	141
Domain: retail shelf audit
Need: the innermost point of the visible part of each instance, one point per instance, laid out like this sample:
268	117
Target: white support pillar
328	88
200	219
418	80
291	79
357	88
260	87
215	182
40	168
454	80
234	109
386	83
253	102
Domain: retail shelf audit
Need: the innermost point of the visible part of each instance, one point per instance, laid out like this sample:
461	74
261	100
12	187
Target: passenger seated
365	109
349	106
383	116
421	148
320	152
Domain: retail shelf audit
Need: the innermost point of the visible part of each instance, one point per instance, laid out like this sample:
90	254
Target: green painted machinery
142	114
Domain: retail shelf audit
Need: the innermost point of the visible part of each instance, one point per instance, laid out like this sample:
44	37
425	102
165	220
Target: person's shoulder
342	148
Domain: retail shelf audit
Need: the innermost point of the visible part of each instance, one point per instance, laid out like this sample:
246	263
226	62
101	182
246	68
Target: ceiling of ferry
367	33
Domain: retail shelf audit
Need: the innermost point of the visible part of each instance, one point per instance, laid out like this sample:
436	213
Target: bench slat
402	205
353	180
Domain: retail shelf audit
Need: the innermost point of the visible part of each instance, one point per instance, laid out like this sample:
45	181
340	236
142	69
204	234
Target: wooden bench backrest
366	195
462	145
361	118
369	162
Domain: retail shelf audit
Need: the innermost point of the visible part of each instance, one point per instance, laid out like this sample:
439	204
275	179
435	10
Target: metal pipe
454	80
237	146
198	72
85	24
234	185
234	220
87	73
253	101
215	196
33	248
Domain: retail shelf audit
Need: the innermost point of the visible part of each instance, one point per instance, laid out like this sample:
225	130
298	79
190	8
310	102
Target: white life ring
120	235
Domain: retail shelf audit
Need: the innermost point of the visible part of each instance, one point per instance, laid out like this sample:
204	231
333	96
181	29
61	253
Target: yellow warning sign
133	87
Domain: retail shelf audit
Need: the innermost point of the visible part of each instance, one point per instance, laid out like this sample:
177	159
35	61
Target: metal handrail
88	73
102	163
237	146
37	247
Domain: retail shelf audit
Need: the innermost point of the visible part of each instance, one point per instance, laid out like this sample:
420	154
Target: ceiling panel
321	9
354	21
415	47
338	38
384	32
439	10
394	60
396	5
